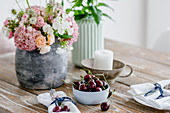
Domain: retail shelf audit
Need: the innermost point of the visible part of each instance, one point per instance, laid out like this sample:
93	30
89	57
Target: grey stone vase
40	71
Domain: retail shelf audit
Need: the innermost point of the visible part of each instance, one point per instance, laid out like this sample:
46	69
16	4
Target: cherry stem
103	77
68	81
81	78
87	71
88	82
111	95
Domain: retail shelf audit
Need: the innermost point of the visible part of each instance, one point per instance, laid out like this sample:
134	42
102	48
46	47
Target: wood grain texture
149	66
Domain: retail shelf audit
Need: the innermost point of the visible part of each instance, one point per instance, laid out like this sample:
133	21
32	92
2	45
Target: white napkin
138	91
46	100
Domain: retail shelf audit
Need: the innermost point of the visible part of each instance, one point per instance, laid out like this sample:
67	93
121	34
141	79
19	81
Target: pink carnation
26	39
10	35
6	22
40	22
24	17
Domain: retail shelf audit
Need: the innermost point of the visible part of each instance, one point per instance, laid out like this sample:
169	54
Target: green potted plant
89	19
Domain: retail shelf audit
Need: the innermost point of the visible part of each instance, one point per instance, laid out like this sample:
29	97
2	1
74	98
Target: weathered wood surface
149	66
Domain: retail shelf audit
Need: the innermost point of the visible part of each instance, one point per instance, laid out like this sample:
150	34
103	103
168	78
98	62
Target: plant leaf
89	1
62	2
78	3
68	10
65	36
80	16
97	14
105	5
104	14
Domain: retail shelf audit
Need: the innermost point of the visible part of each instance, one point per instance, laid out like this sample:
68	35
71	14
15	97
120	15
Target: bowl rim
82	63
90	92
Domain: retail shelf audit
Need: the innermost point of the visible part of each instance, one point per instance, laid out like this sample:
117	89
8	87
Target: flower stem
28	3
18	4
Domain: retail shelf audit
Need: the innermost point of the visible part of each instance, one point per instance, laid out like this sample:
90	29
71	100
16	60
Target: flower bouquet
37	27
41	35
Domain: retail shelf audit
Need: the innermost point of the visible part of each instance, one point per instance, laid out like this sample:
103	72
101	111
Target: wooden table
149	66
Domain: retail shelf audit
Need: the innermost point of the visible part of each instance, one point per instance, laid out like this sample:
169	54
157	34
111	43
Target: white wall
158	19
130	22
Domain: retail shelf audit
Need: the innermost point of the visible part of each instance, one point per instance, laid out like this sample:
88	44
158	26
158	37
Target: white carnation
46	27
4	30
70	48
33	20
29	28
65	24
60	50
57	19
56	25
45	49
70	31
61	30
64	16
50	31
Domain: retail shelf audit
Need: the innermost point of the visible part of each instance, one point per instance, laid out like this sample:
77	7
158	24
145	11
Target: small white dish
91	98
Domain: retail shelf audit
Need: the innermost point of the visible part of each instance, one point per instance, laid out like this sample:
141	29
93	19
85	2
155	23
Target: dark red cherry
87	78
106	86
77	85
99	83
92	85
83	87
104	83
93	76
66	108
105	106
57	109
98	89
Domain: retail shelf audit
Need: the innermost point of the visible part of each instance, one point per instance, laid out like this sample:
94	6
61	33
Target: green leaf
78	3
97	14
89	1
104	14
79	12
62	2
68	10
105	5
80	16
65	36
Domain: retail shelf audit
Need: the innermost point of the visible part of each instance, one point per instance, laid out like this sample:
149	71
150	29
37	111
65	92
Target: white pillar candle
103	60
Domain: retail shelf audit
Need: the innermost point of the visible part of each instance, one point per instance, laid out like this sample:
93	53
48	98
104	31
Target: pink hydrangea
26	39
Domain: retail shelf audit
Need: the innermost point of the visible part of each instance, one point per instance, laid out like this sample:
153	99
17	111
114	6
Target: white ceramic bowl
90	98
